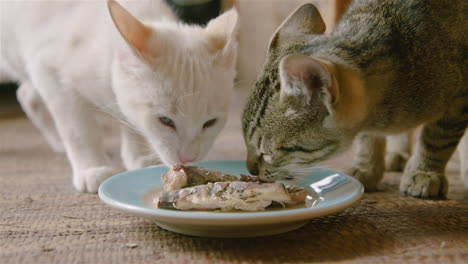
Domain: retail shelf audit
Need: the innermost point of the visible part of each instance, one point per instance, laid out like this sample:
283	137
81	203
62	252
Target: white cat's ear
304	78
222	35
305	20
132	30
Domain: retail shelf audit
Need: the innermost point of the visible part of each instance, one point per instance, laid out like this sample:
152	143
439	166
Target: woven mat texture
44	220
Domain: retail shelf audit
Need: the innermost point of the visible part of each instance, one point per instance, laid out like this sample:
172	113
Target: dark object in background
8	88
196	11
9	106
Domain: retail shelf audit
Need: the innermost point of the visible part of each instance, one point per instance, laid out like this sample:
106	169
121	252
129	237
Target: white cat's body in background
169	83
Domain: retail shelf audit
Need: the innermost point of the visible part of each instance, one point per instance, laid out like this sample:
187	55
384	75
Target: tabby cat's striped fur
389	66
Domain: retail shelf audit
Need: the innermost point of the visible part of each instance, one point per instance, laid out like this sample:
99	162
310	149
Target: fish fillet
196	188
225	196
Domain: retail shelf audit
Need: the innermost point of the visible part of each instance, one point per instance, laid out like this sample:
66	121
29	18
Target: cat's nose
252	166
253	161
184	158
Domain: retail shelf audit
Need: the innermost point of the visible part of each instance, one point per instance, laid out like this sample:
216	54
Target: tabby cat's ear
132	30
304	78
222	35
305	20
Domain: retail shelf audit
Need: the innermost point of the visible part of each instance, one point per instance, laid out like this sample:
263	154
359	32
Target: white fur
267	158
71	60
291	113
294	87
294	70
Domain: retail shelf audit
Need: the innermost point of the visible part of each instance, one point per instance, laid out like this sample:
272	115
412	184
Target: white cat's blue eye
167	121
210	123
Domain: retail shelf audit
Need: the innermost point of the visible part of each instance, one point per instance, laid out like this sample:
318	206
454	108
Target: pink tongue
262	180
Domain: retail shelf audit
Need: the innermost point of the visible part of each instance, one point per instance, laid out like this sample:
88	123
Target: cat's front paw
395	161
424	184
368	178
140	162
89	180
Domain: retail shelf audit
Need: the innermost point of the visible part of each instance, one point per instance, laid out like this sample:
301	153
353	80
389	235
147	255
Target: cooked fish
180	176
196	188
226	196
298	194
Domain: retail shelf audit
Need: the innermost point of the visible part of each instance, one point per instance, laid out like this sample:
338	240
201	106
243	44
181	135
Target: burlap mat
43	220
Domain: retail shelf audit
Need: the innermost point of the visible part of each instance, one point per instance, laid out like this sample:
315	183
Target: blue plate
134	192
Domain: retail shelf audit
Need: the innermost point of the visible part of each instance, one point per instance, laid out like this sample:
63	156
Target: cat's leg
77	126
398	151
369	164
463	150
424	174
34	107
135	151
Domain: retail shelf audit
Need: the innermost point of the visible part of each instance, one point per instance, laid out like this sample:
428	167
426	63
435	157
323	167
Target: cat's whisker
140	144
300	171
240	83
119	117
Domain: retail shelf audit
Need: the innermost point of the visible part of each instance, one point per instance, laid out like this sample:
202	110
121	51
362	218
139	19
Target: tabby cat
388	66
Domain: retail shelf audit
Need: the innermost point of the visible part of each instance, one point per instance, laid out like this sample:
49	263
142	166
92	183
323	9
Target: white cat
169	83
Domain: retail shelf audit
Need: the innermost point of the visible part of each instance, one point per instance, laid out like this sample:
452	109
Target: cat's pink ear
304	78
305	20
222	36
132	30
